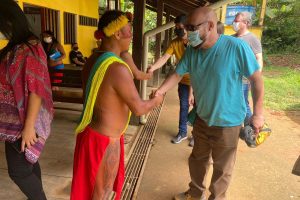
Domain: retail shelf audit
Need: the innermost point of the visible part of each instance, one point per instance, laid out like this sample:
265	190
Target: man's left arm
251	70
259	58
257	50
257	90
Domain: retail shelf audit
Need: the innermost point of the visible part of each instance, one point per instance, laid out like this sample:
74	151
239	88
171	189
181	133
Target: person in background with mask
241	25
55	55
76	56
177	47
216	64
26	107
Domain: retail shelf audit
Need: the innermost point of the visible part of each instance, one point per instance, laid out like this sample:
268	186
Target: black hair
53	44
73	44
180	19
14	26
108	17
48	32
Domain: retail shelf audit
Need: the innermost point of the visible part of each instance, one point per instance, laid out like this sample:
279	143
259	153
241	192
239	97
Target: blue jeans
183	93
248	109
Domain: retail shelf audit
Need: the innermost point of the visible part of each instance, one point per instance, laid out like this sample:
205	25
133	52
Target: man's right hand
257	122
148	75
158	99
150	69
155	93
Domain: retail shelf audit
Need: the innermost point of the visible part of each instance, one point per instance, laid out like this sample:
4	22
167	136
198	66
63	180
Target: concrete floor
263	173
57	158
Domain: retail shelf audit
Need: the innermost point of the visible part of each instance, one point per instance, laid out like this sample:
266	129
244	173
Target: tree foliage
282	26
150	21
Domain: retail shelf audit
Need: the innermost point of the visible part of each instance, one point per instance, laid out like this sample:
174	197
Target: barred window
50	21
69	28
87	21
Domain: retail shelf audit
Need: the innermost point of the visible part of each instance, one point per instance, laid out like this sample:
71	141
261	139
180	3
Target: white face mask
47	39
2	37
194	38
236	26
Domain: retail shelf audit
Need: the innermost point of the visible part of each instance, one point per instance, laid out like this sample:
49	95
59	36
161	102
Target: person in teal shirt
216	64
220	69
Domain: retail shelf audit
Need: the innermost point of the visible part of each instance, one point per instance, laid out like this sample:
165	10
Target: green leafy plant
281	27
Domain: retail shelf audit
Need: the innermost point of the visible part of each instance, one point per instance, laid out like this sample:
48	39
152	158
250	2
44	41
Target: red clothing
10	123
89	151
23	71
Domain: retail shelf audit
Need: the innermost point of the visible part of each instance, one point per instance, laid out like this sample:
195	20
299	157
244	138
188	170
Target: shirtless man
110	96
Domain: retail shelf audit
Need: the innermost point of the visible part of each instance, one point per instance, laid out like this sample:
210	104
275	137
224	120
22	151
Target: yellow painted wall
85	39
85	34
256	30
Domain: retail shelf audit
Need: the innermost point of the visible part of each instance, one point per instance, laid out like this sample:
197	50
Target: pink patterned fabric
10	124
27	72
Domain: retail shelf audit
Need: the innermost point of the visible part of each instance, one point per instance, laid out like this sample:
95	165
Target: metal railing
155	31
147	35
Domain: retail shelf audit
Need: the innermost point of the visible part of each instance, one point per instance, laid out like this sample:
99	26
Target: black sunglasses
190	27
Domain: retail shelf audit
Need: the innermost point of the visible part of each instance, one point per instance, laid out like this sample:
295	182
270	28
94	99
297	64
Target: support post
160	10
108	4
171	31
137	45
262	12
167	38
117	4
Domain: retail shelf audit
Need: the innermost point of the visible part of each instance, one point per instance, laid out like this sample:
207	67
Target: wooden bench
70	89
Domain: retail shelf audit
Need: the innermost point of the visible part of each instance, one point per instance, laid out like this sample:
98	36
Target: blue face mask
194	38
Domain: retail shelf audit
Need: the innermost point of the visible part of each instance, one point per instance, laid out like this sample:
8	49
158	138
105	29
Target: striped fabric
25	72
94	82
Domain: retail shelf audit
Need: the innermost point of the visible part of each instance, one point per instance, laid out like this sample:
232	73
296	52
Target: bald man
216	64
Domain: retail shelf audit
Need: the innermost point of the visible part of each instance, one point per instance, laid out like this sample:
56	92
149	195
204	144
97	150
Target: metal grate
138	157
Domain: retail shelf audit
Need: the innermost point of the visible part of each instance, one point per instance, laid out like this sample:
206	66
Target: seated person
76	56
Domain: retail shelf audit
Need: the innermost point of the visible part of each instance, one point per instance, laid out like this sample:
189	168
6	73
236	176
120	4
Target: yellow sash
96	81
